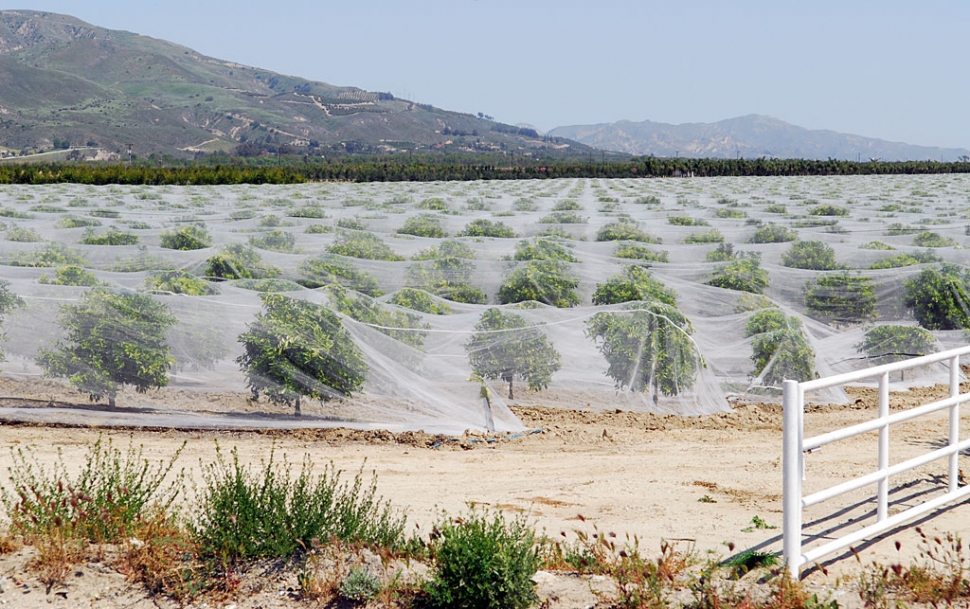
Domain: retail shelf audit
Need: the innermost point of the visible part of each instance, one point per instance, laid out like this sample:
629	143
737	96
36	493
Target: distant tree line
223	169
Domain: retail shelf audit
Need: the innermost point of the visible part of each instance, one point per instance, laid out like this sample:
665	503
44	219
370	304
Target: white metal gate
796	446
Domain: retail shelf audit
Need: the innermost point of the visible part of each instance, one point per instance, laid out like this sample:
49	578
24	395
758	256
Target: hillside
65	83
749	136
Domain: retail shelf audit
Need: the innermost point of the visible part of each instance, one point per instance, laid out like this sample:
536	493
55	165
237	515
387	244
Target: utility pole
129	155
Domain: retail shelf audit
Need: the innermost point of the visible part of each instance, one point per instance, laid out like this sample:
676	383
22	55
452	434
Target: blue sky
893	70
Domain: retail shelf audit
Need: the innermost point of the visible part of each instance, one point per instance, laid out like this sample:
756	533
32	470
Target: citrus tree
505	346
842	298
634	283
648	347
547	281
938	298
8	302
294	348
741	274
113	339
779	348
894	343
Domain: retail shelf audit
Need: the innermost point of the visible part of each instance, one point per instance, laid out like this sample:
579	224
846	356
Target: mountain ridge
748	136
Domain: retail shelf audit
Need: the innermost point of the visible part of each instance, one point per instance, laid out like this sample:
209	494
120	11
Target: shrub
842	298
779	348
712	236
112	237
542	249
639	252
23	235
237	261
318	229
743	274
547	281
897	229
482	561
70	275
776	209
351	224
812	255
562	217
113	339
938	298
624	231
308	211
487	228
931	239
876	245
275	240
892	343
327	270
722	253
687	221
634	283
192	237
247	513
423	226
773	233
179	282
433	204
730	213
901	260
418	300
363	245
75	222
53	254
828	210
567	205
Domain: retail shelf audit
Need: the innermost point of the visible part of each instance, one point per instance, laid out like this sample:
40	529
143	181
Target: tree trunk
111	401
296	411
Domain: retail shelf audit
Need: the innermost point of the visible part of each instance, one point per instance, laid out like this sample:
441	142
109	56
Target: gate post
792	474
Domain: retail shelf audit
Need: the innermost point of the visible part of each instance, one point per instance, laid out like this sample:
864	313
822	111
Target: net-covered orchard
436	305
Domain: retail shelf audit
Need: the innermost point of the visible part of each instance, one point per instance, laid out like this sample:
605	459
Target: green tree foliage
633	283
8	302
112	237
506	347
811	255
648	347
191	237
773	233
196	346
482	227
722	253
938	298
423	226
828	210
711	236
52	254
543	249
238	261
779	348
686	221
742	274
363	245
179	282
399	325
931	239
640	252
418	300
624	231
893	343
901	260
550	282
113	339
294	348
876	245
70	275
23	235
331	270
446	271
841	298
275	240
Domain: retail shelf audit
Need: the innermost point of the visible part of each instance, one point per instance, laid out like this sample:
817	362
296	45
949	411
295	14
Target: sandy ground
698	482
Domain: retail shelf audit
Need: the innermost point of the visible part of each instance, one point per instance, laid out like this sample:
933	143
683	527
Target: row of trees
376	169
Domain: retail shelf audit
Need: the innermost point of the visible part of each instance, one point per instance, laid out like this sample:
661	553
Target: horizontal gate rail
795	446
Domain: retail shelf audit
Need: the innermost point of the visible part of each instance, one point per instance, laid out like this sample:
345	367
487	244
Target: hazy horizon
884	70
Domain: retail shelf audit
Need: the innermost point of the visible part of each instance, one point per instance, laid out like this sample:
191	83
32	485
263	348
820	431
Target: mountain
64	82
750	136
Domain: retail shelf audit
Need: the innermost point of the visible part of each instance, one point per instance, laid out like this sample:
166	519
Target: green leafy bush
247	512
482	227
842	298
624	231
238	261
780	350
418	300
828	210
901	260
191	237
773	233
315	212
730	213
567	205
433	204
893	343
363	245
640	252
113	339
482	561
446	271
547	281
179	282
112	237
687	221
542	249
351	224
743	274
506	347
423	226
326	270
876	245
399	325
931	239
70	275
52	254
76	222
711	236
563	217
275	240
318	229
634	283
294	348
722	253
938	298
23	235
8	302
811	255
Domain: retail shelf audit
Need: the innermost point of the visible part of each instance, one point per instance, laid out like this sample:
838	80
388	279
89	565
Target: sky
887	69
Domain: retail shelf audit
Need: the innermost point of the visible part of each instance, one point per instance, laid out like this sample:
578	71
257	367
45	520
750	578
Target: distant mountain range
749	137
64	82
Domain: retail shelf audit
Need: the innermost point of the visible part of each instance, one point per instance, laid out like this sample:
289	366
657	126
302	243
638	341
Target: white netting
423	321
